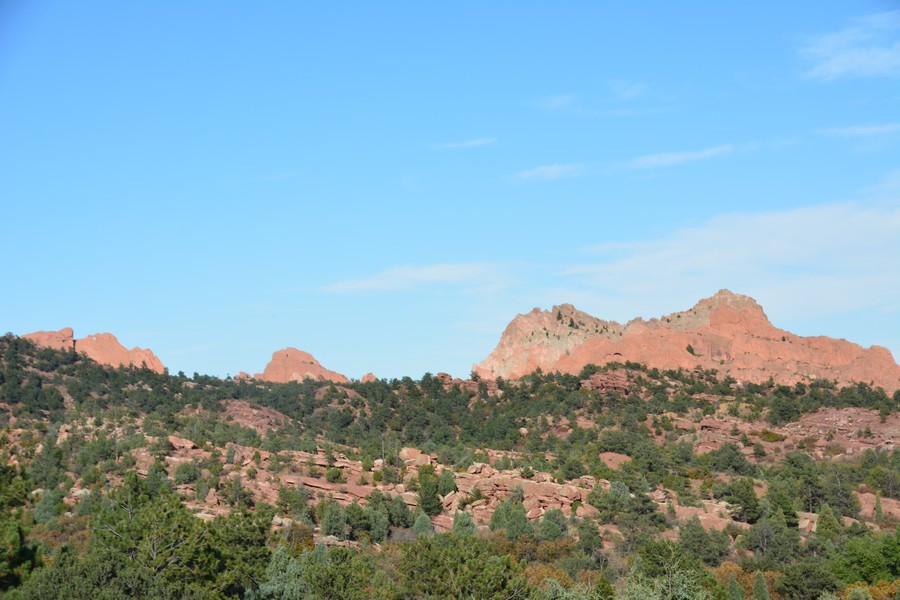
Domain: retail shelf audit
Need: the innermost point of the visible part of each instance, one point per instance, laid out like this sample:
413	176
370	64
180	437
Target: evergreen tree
760	590
379	521
429	501
500	517
827	525
423	526
283	579
334	521
879	512
743	498
398	512
735	592
806	579
463	525
553	525
446	482
709	546
589	536
517	524
772	540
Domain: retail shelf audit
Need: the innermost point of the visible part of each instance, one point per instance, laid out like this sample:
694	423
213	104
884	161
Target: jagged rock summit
727	332
101	347
291	364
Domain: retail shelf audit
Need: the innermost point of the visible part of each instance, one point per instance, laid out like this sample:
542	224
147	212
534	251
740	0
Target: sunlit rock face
727	332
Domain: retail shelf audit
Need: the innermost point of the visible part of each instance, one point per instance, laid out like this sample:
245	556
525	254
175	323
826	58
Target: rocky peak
58	340
101	347
291	364
728	332
106	349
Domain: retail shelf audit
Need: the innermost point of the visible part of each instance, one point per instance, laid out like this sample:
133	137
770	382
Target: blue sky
386	186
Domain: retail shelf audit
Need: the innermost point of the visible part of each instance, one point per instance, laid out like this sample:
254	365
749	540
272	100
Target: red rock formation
101	347
291	364
728	332
58	340
106	349
369	378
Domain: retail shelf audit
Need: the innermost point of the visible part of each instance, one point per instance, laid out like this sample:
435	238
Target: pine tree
334	521
827	525
446	483
879	512
422	526
429	501
735	592
463	524
760	591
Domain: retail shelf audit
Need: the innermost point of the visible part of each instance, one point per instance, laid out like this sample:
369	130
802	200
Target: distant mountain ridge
286	365
727	332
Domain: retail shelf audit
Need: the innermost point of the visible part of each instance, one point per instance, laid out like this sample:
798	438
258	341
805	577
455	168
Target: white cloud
549	172
472	276
862	130
868	48
671	159
474	143
812	261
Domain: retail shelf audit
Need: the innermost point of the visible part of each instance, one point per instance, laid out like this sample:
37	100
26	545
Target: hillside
564	476
727	332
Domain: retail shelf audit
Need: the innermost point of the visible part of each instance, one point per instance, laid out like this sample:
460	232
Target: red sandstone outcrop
106	349
728	332
58	340
468	385
369	378
291	364
101	347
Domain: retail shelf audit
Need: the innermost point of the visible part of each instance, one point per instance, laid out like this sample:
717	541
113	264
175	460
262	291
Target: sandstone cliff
101	347
728	332
291	364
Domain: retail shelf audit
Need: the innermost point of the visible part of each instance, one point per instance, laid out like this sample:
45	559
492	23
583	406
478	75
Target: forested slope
617	482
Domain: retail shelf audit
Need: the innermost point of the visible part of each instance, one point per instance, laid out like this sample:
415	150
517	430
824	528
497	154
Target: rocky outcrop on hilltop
106	349
103	348
291	364
58	340
727	332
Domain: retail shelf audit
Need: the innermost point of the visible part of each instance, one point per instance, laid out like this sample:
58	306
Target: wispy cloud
473	275
868	48
474	143
550	172
626	90
671	159
861	130
826	259
557	101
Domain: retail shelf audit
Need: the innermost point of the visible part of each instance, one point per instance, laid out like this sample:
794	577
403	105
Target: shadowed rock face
101	347
728	332
291	364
